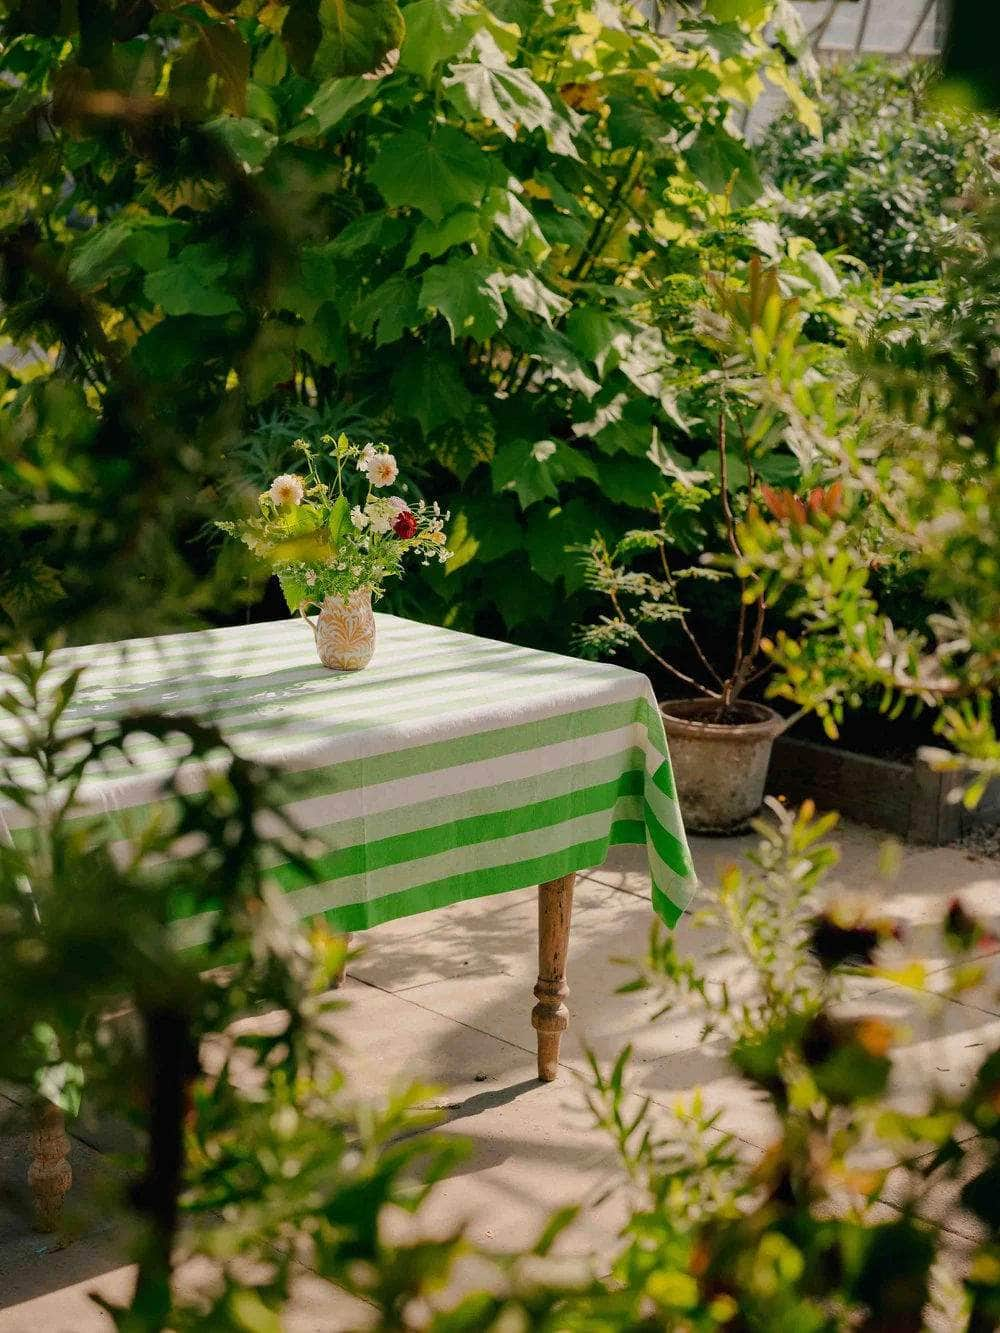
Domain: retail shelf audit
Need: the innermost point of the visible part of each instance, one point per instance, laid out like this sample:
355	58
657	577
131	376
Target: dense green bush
881	182
485	253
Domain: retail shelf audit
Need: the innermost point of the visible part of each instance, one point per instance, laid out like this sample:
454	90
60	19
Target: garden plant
232	225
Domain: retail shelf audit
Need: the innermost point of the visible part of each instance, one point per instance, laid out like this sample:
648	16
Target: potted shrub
720	740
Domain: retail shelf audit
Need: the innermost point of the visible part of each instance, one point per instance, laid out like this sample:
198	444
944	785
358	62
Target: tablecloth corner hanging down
452	767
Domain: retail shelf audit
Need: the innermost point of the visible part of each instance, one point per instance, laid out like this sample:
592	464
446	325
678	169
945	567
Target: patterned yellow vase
345	631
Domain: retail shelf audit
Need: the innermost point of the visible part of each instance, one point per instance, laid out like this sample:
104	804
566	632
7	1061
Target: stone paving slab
445	999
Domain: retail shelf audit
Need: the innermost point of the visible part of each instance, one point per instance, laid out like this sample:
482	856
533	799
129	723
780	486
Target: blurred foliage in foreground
256	1158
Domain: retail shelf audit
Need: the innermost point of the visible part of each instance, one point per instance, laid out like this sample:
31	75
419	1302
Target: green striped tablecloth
452	767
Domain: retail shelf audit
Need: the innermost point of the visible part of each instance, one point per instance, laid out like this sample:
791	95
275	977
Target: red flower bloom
405	525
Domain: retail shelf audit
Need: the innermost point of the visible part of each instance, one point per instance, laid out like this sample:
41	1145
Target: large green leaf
247	140
733	10
517	223
429	388
433	239
188	284
552	534
436	30
593	333
333	101
518	594
271	359
314	282
630	481
357	36
435	174
561	362
339	518
529	293
721	163
301	32
389	309
509	97
466	292
379	231
223	51
296	591
534	471
124	242
341	37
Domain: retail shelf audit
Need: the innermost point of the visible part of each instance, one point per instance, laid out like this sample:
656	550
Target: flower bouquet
333	546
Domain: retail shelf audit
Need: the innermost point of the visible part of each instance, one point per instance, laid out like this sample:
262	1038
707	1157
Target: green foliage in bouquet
309	534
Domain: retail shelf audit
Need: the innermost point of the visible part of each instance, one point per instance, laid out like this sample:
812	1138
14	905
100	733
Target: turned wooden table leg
550	1017
50	1174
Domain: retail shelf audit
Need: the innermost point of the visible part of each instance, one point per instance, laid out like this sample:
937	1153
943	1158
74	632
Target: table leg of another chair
550	1017
50	1174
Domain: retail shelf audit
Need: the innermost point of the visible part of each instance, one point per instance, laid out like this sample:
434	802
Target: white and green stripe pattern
452	767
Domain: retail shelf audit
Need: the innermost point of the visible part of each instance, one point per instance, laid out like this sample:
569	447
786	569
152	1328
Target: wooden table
452	767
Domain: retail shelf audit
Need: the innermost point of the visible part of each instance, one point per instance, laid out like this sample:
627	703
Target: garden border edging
913	801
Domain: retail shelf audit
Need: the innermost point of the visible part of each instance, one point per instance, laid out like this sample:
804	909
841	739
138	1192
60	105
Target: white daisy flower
359	518
311	578
365	457
287	490
382	470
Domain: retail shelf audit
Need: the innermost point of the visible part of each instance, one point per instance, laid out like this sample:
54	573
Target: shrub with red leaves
788	507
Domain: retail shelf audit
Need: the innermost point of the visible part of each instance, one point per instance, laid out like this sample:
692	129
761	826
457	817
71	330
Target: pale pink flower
382	470
311	578
398	503
287	490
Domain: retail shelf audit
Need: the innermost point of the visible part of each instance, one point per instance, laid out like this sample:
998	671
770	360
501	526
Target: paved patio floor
444	998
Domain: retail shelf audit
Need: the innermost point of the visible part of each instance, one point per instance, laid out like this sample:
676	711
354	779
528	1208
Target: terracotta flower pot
345	631
719	767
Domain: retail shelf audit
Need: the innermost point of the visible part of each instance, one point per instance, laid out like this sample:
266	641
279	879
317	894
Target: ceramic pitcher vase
345	631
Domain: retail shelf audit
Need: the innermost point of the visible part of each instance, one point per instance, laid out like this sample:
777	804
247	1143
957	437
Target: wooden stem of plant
550	1017
49	1174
